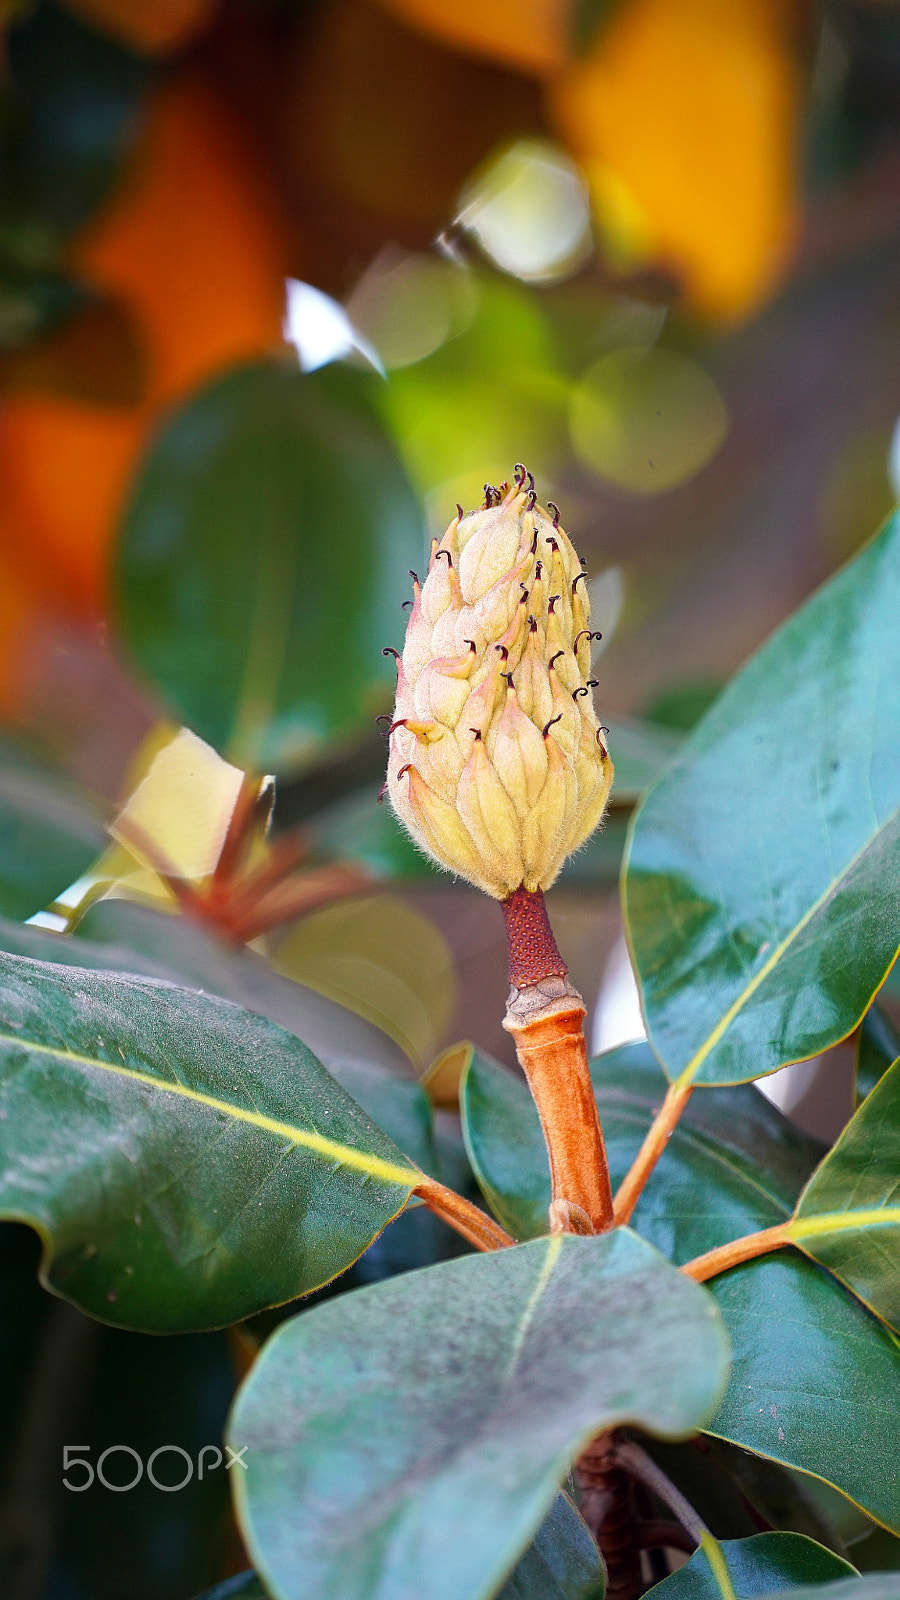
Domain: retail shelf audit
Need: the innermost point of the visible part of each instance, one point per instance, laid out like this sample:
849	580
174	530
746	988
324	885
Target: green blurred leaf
71	119
641	752
730	1568
185	1162
815	1379
263	561
848	1216
733	1165
560	1563
49	834
359	1485
877	1049
358	828
872	1586
244	1586
761	889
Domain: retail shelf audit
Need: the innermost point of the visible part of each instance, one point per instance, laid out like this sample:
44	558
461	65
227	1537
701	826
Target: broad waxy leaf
815	1379
848	1216
380	1425
878	1048
869	1586
185	1162
559	1564
732	1569
734	1163
258	567
761	891
732	1166
48	835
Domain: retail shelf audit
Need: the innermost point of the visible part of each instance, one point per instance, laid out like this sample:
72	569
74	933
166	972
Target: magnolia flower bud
498	767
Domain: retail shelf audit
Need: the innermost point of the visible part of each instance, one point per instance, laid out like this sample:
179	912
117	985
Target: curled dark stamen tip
383	718
534	544
553	544
576	581
530	477
403	770
552	506
390	651
521	474
524	599
459	511
548	725
592	683
503	651
577	692
538	566
444	553
492	497
413	575
532	624
509	679
381	793
530	499
400	723
552	602
477	733
554	658
472	646
604	729
405	603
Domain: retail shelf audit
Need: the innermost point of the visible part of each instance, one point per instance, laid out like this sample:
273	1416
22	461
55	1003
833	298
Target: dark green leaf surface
734	1163
185	1162
366	1486
878	1049
245	1586
48	833
871	1586
735	1569
560	1563
264	558
762	892
815	1379
848	1216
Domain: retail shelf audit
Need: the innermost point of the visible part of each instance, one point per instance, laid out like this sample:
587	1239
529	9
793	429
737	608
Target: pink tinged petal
490	818
441	590
440	764
416	647
519	757
442	688
440	832
533	683
484	699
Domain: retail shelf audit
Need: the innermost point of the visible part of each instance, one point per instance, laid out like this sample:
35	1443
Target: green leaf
561	1562
409	1438
878	1049
49	834
732	1569
733	1165
848	1216
263	561
186	1163
871	1586
244	1586
761	891
641	752
815	1379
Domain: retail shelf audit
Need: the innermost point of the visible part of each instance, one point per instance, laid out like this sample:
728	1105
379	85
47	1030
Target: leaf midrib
346	1155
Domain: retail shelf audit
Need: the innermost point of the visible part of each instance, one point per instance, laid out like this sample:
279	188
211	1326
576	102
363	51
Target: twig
658	1136
641	1466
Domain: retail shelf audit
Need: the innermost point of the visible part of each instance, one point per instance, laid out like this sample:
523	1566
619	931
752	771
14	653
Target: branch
639	1464
658	1136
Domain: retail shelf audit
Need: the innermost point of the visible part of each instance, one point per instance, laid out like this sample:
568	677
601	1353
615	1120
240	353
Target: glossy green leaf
735	1569
762	891
870	1586
734	1163
49	833
815	1379
878	1048
848	1216
372	1486
185	1162
263	561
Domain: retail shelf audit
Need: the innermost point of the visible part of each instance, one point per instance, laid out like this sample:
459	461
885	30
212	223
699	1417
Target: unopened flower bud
498	765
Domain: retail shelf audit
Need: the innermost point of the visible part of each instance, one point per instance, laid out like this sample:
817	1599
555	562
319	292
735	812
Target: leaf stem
641	1466
468	1220
712	1262
658	1136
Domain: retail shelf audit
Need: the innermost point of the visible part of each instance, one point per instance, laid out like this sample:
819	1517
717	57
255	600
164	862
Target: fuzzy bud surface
498	765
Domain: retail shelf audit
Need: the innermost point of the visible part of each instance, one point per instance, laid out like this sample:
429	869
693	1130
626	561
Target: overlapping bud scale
498	766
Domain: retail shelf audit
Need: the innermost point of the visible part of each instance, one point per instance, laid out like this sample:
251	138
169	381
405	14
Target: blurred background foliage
281	281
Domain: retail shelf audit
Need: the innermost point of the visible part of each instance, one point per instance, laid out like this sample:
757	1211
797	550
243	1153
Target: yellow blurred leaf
685	119
182	807
382	959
